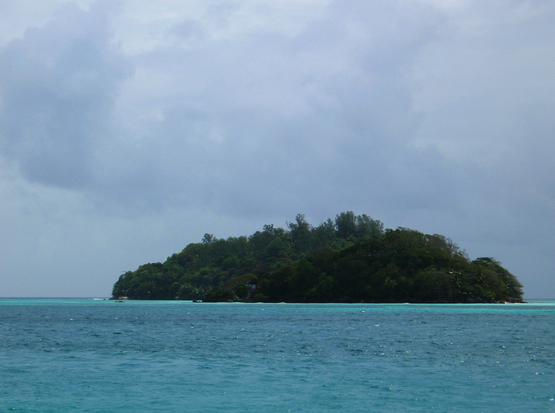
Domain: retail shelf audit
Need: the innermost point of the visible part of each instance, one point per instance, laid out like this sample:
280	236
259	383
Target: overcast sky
129	129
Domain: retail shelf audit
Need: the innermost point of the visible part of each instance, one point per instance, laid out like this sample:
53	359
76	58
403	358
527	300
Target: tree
346	224
300	233
349	259
367	227
208	238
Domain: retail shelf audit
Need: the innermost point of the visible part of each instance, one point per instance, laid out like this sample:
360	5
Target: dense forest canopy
349	259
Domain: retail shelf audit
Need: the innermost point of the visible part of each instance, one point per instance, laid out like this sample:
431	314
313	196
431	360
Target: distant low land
349	259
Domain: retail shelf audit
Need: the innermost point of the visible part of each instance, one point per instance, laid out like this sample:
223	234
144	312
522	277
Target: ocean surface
86	355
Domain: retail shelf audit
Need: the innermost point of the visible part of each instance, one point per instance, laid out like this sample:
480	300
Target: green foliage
349	259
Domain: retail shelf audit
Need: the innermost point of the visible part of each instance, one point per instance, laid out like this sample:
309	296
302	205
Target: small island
350	259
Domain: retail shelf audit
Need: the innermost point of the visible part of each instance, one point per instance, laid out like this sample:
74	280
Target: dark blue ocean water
90	355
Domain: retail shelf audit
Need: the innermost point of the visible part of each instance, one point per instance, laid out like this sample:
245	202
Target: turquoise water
92	355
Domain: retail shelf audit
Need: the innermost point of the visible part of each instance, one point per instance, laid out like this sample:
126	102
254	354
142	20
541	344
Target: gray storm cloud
428	114
347	109
241	123
254	122
58	86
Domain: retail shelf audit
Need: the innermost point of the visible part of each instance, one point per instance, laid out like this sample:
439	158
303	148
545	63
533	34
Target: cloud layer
429	114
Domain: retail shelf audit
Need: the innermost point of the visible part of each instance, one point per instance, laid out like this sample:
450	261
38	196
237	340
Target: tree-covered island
345	260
